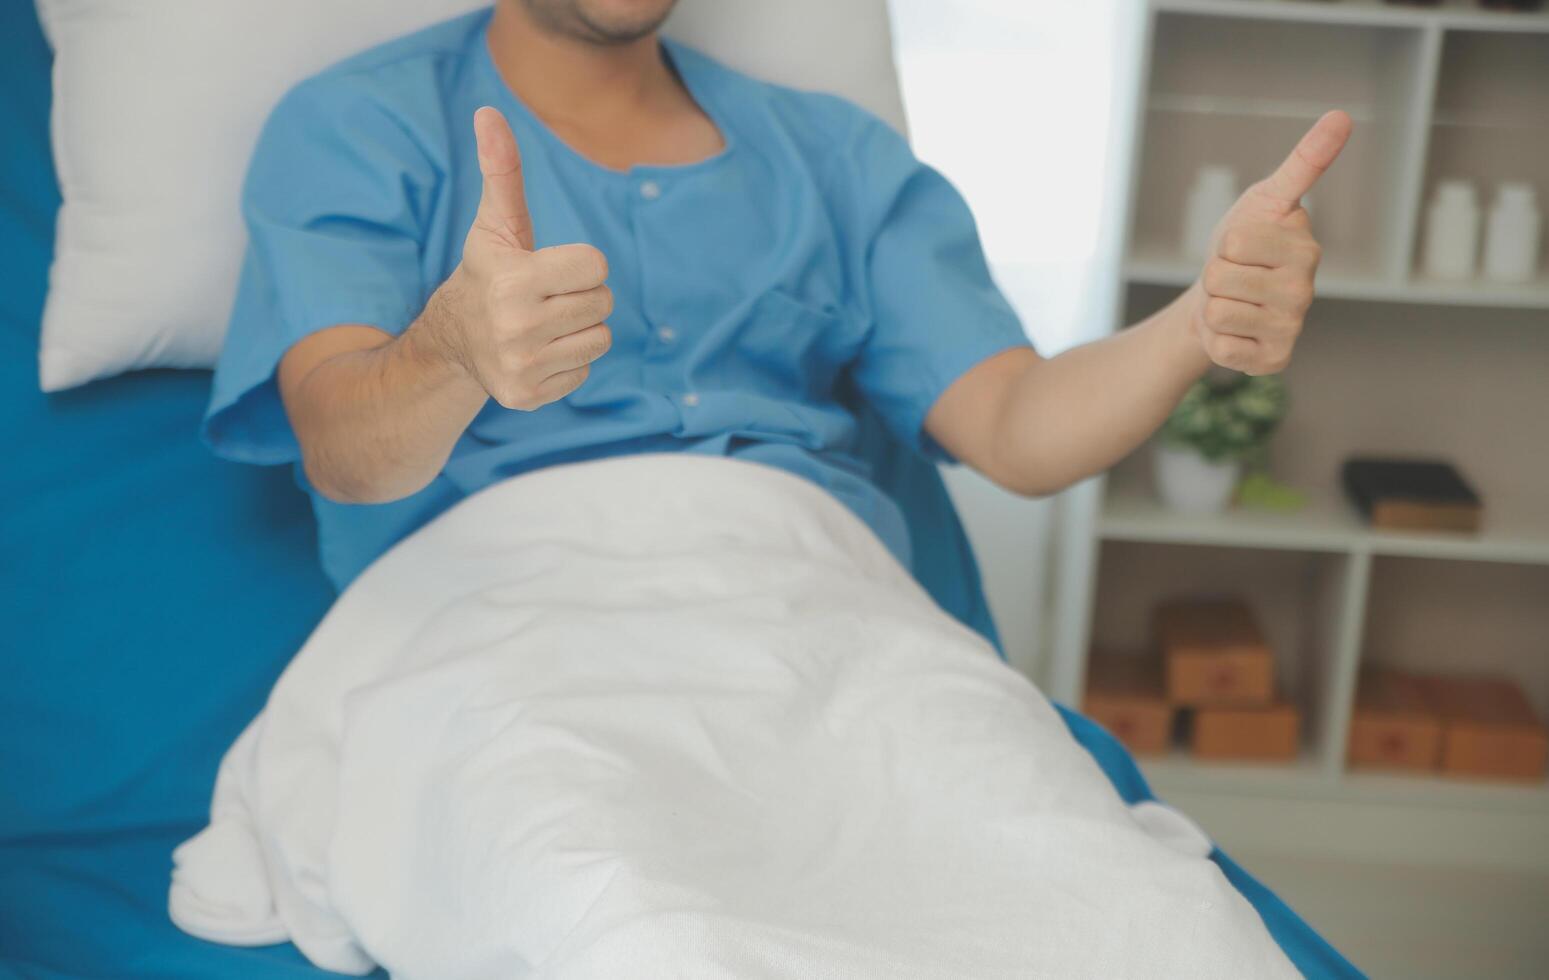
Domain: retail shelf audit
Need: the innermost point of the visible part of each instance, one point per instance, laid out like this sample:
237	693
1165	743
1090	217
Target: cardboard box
1488	728
1395	725
1262	734
1215	654
1125	695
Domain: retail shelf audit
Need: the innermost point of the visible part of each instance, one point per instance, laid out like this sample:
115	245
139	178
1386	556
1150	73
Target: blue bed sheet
149	596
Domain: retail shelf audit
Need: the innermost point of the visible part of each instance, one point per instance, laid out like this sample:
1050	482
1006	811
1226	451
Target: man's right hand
525	323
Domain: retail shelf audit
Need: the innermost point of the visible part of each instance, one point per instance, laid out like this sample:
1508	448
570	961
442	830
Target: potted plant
1224	419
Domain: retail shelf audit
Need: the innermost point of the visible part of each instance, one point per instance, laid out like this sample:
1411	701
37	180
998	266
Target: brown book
1265	734
1125	695
1395	725
1214	653
1488	728
1412	494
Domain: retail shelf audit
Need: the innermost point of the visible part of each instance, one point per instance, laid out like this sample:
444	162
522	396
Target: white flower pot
1190	484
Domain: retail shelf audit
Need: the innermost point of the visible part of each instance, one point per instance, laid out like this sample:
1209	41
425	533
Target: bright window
1025	106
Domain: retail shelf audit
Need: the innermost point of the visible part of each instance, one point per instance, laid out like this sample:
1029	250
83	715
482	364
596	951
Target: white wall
1024	105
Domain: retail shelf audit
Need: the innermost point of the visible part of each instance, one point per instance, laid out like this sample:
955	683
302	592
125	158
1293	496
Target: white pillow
157	105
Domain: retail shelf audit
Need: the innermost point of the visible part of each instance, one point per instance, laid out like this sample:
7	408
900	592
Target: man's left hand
1258	283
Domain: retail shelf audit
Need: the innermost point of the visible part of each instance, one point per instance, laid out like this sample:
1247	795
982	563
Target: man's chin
615	21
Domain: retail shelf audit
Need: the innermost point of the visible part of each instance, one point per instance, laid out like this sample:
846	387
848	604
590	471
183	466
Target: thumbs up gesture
526	323
1258	282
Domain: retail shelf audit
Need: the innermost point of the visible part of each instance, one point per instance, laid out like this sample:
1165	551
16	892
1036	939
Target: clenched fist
1257	285
525	323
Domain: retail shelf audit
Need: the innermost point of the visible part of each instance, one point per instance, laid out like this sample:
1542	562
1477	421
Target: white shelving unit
1391	363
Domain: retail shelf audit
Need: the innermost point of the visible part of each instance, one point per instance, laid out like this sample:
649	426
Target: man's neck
619	105
562	78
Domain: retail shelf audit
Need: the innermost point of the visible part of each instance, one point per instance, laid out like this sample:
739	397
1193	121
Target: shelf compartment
1304	604
1241	92
1389	379
1448	617
1490	123
1463	619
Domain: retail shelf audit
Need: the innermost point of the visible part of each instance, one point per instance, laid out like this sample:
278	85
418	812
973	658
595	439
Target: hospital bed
151	595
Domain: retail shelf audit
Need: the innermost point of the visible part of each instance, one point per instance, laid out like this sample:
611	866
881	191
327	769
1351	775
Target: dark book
1414	495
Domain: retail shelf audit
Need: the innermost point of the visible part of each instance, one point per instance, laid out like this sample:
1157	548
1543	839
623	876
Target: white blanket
681	717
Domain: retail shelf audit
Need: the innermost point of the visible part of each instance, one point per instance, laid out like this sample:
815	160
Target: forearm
1068	417
378	422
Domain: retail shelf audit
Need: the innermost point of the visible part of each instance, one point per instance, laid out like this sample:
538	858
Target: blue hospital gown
757	292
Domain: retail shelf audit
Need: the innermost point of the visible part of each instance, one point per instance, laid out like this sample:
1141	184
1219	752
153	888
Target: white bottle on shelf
1512	238
1213	194
1452	231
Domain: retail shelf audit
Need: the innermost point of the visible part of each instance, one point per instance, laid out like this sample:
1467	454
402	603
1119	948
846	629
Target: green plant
1227	417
